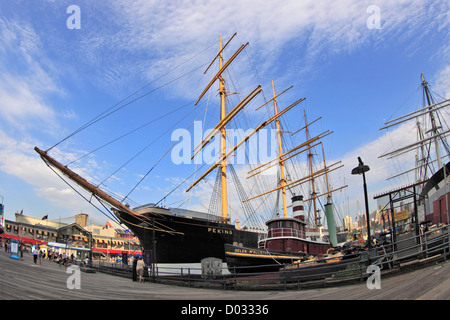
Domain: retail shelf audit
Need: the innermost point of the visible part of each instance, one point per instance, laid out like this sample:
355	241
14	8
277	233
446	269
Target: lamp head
361	168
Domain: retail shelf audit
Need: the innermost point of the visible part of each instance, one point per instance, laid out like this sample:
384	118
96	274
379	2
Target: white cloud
160	34
19	104
442	82
20	160
27	79
17	158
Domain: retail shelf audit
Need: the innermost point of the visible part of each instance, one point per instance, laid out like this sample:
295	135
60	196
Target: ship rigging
178	237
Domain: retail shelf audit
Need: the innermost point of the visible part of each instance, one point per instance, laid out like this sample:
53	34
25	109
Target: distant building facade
77	238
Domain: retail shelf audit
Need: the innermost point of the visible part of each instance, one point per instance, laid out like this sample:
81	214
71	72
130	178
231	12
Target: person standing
21	252
35	255
140	269
134	268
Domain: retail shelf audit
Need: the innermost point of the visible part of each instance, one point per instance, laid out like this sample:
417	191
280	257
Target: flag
107	225
45	217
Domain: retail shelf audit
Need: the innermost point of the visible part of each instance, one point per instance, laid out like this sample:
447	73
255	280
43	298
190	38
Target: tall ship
175	235
422	200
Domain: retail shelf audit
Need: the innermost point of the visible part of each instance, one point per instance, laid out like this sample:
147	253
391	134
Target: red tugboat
285	243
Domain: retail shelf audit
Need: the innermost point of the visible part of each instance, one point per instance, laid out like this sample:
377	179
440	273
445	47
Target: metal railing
412	251
284	232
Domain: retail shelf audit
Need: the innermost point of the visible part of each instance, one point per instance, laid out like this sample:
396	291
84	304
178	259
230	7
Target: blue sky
54	79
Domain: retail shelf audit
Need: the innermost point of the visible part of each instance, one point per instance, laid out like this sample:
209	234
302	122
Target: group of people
65	260
62	259
41	254
7	247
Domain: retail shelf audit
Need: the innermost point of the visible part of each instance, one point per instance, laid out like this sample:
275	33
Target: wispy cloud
26	79
443	82
158	35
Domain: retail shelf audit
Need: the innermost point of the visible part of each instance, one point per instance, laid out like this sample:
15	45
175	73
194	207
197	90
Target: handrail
284	232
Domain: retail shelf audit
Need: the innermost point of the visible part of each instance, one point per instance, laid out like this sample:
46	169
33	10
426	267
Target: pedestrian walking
35	255
140	269
21	252
40	256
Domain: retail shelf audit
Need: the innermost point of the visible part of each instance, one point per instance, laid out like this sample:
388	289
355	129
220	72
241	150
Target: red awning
116	251
23	239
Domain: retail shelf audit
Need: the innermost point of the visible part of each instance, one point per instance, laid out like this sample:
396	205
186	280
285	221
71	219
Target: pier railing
410	251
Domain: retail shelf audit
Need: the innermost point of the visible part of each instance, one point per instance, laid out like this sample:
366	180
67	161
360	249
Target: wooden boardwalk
24	280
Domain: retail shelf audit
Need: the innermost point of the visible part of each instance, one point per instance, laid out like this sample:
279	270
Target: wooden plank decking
24	280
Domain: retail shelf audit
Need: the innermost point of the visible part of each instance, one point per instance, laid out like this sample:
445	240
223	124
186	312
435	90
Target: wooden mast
224	119
326	177
280	148
223	166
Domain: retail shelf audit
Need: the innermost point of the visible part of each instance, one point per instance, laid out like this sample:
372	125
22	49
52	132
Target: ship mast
436	133
313	186
225	118
280	148
223	166
434	128
303	147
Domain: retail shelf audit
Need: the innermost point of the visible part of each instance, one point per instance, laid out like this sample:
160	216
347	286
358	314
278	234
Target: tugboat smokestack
298	208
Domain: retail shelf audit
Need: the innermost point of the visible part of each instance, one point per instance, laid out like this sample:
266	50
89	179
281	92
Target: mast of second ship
434	129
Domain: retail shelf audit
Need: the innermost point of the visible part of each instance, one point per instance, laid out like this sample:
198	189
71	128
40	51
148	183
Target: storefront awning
23	239
113	251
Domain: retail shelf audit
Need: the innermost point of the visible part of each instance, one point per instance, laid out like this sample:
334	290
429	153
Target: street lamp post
362	169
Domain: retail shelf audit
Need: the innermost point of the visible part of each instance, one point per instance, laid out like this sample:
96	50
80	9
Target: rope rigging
111	109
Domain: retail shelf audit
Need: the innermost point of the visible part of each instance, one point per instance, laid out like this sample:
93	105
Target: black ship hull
244	259
178	239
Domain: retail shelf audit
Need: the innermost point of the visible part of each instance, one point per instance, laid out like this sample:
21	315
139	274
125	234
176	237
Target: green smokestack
331	224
